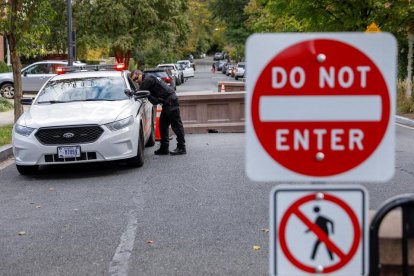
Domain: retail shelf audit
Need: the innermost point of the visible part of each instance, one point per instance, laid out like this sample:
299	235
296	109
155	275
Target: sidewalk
6	118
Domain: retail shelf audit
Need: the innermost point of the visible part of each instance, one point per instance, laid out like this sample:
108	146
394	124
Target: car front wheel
7	91
27	170
138	160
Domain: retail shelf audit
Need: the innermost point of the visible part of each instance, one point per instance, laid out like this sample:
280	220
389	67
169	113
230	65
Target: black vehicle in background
164	74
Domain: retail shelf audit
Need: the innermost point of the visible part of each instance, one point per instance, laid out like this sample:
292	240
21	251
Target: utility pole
70	32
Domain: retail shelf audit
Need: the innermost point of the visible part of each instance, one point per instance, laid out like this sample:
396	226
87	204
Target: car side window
133	84
39	69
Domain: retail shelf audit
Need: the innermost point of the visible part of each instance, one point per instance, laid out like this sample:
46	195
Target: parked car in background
227	68
83	117
164	74
220	64
219	56
181	69
188	70
178	74
34	77
240	70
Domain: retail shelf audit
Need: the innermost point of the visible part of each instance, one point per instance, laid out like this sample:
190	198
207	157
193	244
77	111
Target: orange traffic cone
222	89
157	124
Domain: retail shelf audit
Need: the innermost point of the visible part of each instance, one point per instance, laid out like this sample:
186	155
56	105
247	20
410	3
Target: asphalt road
196	214
203	79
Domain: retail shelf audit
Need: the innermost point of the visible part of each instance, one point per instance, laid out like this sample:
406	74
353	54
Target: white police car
92	115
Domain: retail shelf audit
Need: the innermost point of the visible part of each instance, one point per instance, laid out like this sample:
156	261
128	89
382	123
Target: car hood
76	113
8	75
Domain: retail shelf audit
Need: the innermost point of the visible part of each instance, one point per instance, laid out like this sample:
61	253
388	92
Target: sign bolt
319	269
319	196
321	58
320	156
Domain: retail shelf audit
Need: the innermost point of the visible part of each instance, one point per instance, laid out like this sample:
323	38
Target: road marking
401	125
119	263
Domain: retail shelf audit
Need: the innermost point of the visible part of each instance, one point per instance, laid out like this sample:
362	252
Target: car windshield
166	67
241	66
84	89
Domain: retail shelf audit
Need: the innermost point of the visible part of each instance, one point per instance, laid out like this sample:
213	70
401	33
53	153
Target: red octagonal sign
320	107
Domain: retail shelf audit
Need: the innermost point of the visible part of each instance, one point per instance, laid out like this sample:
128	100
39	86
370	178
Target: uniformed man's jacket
157	87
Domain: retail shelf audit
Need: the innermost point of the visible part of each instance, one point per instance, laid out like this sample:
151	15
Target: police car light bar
84	68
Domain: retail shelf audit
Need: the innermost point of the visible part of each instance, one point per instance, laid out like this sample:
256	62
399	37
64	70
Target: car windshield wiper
97	100
52	102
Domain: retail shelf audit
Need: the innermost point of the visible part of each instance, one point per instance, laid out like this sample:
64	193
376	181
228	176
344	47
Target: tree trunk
410	65
17	77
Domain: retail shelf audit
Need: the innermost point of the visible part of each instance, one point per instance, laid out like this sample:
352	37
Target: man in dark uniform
162	94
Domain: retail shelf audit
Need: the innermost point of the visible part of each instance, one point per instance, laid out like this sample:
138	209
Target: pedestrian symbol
318	230
322	222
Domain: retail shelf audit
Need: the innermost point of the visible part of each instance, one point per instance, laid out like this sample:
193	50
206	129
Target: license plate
69	152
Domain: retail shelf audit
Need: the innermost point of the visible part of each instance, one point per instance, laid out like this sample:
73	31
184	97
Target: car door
147	109
33	77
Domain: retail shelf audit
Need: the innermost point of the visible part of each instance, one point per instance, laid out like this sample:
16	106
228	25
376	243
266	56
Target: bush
404	105
5	105
3	67
5	135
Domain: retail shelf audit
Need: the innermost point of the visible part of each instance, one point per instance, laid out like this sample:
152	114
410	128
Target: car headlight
22	130
117	125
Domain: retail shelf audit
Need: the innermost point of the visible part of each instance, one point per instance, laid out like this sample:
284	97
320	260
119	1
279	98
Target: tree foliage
24	23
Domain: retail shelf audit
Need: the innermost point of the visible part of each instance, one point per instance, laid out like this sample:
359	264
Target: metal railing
406	203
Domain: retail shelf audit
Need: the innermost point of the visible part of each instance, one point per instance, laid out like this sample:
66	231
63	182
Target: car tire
138	160
151	139
236	77
7	90
27	170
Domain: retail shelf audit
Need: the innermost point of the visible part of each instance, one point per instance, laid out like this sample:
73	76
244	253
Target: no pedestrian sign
320	107
319	230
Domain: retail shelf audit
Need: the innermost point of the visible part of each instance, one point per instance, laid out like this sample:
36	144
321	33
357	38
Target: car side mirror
129	92
25	73
26	101
140	94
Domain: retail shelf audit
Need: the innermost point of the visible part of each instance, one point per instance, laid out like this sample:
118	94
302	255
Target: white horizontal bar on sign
320	108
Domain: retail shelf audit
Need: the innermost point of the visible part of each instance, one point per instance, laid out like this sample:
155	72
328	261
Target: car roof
89	74
59	62
167	64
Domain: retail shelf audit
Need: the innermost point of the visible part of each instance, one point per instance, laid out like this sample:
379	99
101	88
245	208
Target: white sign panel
320	107
319	229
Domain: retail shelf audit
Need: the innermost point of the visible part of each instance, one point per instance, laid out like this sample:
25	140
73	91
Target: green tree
133	28
24	23
232	15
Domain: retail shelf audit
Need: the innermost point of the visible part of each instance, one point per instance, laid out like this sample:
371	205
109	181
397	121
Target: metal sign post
320	109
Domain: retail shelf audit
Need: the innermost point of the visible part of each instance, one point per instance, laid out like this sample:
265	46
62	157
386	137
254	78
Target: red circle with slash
344	257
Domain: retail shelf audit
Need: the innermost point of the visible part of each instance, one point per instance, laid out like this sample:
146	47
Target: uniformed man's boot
162	151
178	151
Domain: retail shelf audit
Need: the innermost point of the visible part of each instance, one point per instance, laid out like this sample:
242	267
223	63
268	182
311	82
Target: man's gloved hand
152	100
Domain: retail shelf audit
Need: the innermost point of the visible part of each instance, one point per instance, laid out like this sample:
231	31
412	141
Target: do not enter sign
320	107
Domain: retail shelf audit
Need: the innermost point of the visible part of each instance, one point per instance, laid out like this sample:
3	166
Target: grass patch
5	105
404	105
5	135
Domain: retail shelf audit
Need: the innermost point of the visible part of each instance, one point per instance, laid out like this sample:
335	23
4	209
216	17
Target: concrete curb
5	152
404	121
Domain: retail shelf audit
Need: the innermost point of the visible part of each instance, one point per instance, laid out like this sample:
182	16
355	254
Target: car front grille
52	158
69	135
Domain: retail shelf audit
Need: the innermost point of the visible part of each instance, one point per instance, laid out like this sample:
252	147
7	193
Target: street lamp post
70	34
